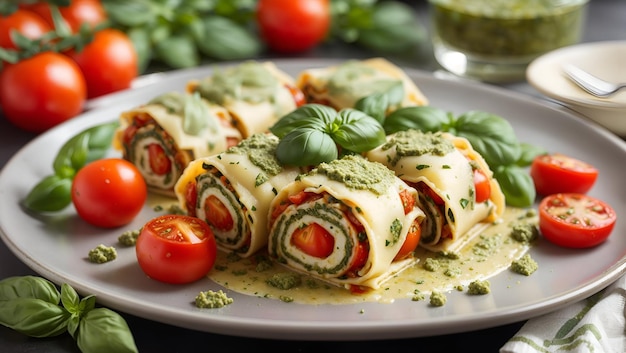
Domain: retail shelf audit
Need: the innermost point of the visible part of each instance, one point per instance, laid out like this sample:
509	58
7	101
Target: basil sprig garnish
33	306
490	135
315	133
52	193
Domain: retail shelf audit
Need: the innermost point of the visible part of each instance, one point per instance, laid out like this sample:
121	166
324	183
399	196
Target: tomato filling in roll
213	199
316	239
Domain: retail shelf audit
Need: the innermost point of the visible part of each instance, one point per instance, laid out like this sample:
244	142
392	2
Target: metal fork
591	84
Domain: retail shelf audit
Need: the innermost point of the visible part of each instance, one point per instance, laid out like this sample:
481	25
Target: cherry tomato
109	192
313	240
575	220
27	23
42	91
482	186
77	13
557	173
176	249
217	214
290	26
109	63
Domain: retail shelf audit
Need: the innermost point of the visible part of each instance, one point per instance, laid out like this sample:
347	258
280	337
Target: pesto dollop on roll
346	222
232	191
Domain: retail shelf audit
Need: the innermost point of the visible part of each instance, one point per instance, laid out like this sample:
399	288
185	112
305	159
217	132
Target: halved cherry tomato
557	173
109	192
575	220
176	249
159	163
482	186
313	240
191	198
408	201
217	214
27	23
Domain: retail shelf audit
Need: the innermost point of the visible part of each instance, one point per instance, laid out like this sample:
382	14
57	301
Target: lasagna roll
256	94
341	86
232	191
164	135
442	167
346	222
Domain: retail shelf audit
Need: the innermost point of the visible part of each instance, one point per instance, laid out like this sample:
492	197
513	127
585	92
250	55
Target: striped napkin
596	324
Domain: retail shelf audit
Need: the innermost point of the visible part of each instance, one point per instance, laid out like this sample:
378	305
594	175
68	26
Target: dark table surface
606	20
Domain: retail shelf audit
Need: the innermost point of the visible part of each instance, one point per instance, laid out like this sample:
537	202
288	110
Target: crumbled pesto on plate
102	253
479	287
524	232
437	298
285	280
526	265
129	237
212	300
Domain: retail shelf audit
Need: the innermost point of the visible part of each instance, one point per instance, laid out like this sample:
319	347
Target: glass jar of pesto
494	40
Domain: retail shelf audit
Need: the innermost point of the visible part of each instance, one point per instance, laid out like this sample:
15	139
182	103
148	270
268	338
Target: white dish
603	59
55	246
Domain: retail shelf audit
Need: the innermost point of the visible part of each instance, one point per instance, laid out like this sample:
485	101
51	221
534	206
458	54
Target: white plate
56	246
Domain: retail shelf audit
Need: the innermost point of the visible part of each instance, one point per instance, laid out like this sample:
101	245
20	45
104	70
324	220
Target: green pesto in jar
358	173
507	28
261	151
417	143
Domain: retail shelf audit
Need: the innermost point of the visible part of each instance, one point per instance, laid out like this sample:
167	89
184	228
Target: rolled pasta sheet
344	222
256	94
232	191
161	137
341	86
441	167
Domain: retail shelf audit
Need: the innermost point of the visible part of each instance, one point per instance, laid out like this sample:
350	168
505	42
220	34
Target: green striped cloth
596	324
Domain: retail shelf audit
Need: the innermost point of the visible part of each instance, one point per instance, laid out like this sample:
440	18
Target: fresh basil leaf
223	39
140	37
374	105
88	145
85	305
315	116
52	193
306	146
34	317
516	184
177	51
424	118
29	287
131	13
102	330
490	135
394	29
69	298
357	131
529	153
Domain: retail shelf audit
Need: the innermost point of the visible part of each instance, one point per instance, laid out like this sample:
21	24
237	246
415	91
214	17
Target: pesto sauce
211	299
250	81
358	173
261	151
417	143
355	79
435	272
